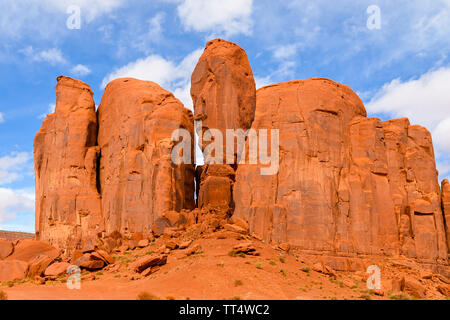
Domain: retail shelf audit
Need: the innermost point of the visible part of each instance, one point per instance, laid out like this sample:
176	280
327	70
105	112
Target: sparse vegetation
147	296
272	263
3	295
238	283
400	296
235	298
283	272
259	265
282	259
306	269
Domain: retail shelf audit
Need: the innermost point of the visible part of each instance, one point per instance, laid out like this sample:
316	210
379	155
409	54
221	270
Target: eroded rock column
224	95
68	205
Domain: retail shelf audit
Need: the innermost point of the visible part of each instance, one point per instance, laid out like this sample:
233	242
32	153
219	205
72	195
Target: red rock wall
122	182
347	184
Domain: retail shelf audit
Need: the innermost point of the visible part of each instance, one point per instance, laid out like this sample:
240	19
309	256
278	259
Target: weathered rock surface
68	207
446	208
6	248
138	179
347	184
224	95
12	270
148	262
57	269
29	250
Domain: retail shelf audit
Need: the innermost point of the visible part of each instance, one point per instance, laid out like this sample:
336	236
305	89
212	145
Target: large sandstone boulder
6	248
29	250
138	180
346	184
224	94
68	207
13	270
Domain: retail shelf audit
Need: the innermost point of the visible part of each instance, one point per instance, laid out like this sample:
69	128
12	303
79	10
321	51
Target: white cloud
228	17
80	70
425	101
54	56
14	202
285	52
168	74
2	119
262	82
13	167
51	109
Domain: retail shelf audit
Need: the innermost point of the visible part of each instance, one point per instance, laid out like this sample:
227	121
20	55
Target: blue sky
400	69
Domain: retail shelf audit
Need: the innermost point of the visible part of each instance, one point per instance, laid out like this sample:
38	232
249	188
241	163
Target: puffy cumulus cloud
218	17
80	70
425	101
14	166
172	76
14	203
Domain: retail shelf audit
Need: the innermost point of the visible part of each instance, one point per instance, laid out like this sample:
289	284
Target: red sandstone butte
68	205
138	180
347	184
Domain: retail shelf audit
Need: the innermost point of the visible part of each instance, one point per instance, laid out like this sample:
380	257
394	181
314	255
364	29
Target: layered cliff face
347	184
68	205
138	180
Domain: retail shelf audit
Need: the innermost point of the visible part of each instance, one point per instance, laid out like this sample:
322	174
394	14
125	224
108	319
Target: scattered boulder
246	248
194	250
324	269
146	262
143	243
90	262
57	269
414	287
285	247
105	257
235	228
185	244
172	245
38	265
